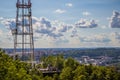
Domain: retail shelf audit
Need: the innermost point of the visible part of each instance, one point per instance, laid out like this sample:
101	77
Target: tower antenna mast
23	33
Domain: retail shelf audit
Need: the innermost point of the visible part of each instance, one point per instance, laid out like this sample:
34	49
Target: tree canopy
70	70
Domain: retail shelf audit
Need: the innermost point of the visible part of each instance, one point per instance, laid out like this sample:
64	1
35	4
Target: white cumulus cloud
115	35
83	23
115	20
69	4
1	18
86	13
1	32
55	31
60	11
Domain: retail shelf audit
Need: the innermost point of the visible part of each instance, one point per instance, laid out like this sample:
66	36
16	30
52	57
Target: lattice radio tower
23	33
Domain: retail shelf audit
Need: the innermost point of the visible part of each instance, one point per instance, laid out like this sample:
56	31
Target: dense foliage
70	70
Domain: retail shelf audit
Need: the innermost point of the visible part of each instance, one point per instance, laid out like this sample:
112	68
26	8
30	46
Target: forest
69	68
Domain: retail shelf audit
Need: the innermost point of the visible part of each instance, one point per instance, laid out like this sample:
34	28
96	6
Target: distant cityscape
101	60
94	56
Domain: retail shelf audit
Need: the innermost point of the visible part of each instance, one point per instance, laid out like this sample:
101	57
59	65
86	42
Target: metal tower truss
23	33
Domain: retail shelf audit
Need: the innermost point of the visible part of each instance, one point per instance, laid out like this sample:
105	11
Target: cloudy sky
66	23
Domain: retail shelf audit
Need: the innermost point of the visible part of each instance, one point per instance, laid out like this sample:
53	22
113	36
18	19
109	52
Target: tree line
70	69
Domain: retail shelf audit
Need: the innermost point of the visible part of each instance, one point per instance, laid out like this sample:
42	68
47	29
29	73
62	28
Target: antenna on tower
23	32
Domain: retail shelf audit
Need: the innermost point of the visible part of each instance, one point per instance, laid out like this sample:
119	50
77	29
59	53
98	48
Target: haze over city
66	23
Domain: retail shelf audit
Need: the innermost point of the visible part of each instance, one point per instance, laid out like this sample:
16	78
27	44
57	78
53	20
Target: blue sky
67	23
